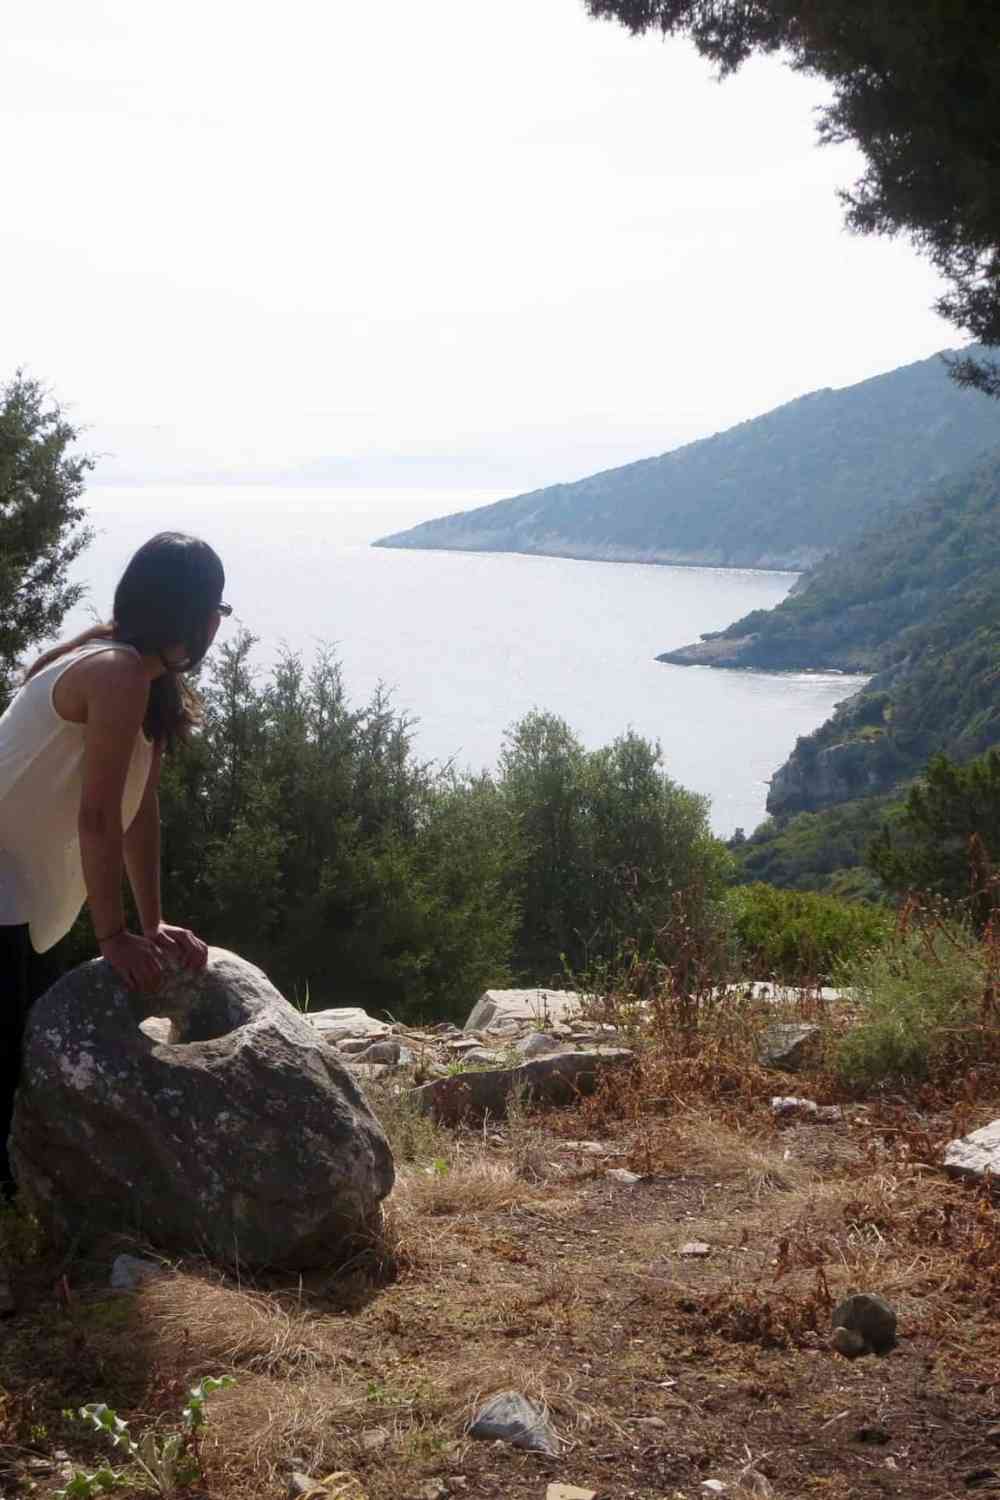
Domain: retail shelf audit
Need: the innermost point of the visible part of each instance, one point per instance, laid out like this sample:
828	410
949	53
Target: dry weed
200	1320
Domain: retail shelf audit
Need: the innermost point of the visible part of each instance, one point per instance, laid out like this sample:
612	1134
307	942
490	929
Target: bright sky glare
463	243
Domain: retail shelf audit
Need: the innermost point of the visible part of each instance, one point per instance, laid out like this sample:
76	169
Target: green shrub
801	936
920	1007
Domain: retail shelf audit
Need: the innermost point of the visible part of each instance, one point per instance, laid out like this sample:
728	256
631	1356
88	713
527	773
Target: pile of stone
537	1044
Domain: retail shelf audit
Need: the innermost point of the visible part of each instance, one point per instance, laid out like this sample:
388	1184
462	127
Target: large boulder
242	1136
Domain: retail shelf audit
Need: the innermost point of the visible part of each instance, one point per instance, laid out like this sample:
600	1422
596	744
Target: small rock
380	1052
869	1315
560	1079
366	1071
753	1482
568	1492
713	1486
848	1342
374	1439
655	1424
788	1046
695	1248
788	1104
538	1044
130	1271
623	1175
345	1023
300	1484
432	1489
512	1418
481	1057
158	1028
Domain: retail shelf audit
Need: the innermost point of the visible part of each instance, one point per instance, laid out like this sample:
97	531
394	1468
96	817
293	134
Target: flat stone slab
512	1010
976	1155
560	1079
346	1022
786	994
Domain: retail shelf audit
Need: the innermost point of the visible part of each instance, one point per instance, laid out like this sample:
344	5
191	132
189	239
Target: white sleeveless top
41	779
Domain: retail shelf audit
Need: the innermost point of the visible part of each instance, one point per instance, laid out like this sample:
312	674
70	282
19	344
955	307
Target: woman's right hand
135	959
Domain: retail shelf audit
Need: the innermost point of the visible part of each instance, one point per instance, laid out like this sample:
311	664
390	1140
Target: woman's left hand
180	945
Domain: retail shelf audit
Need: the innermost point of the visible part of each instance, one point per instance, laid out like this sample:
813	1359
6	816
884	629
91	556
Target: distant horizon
390	472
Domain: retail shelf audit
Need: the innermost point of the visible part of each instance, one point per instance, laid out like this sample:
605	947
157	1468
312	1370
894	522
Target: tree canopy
916	86
41	483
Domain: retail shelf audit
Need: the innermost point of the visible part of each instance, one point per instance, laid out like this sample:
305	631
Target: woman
80	751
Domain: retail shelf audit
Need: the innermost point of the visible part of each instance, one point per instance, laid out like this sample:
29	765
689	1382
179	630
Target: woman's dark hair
167	595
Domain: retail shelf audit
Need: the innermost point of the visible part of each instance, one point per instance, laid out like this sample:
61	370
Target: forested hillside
919	606
779	491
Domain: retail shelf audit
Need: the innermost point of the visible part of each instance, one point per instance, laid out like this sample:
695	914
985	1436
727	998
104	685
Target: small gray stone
380	1052
158	1029
353	1046
366	1072
623	1176
512	1418
300	1485
867	1314
560	1079
130	1271
695	1250
789	1104
480	1057
345	1022
754	1483
537	1044
788	1046
848	1342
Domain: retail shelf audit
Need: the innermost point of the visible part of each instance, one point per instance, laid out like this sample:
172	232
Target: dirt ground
512	1260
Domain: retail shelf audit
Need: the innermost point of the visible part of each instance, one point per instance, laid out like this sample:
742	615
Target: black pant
24	975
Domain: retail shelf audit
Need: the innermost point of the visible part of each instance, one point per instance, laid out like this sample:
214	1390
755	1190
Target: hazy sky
469	242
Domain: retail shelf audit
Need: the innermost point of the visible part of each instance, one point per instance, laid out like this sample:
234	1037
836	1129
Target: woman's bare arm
141	846
116	690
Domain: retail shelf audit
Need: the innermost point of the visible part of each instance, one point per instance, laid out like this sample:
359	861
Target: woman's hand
137	960
179	945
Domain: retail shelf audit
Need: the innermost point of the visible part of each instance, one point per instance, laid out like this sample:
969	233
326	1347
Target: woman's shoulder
102	681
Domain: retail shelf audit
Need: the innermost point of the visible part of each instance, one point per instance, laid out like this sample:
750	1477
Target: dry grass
519	1264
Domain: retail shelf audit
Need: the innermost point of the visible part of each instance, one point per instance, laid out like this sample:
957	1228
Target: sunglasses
225	610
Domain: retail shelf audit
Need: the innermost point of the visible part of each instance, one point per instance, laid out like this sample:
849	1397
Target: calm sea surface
471	641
